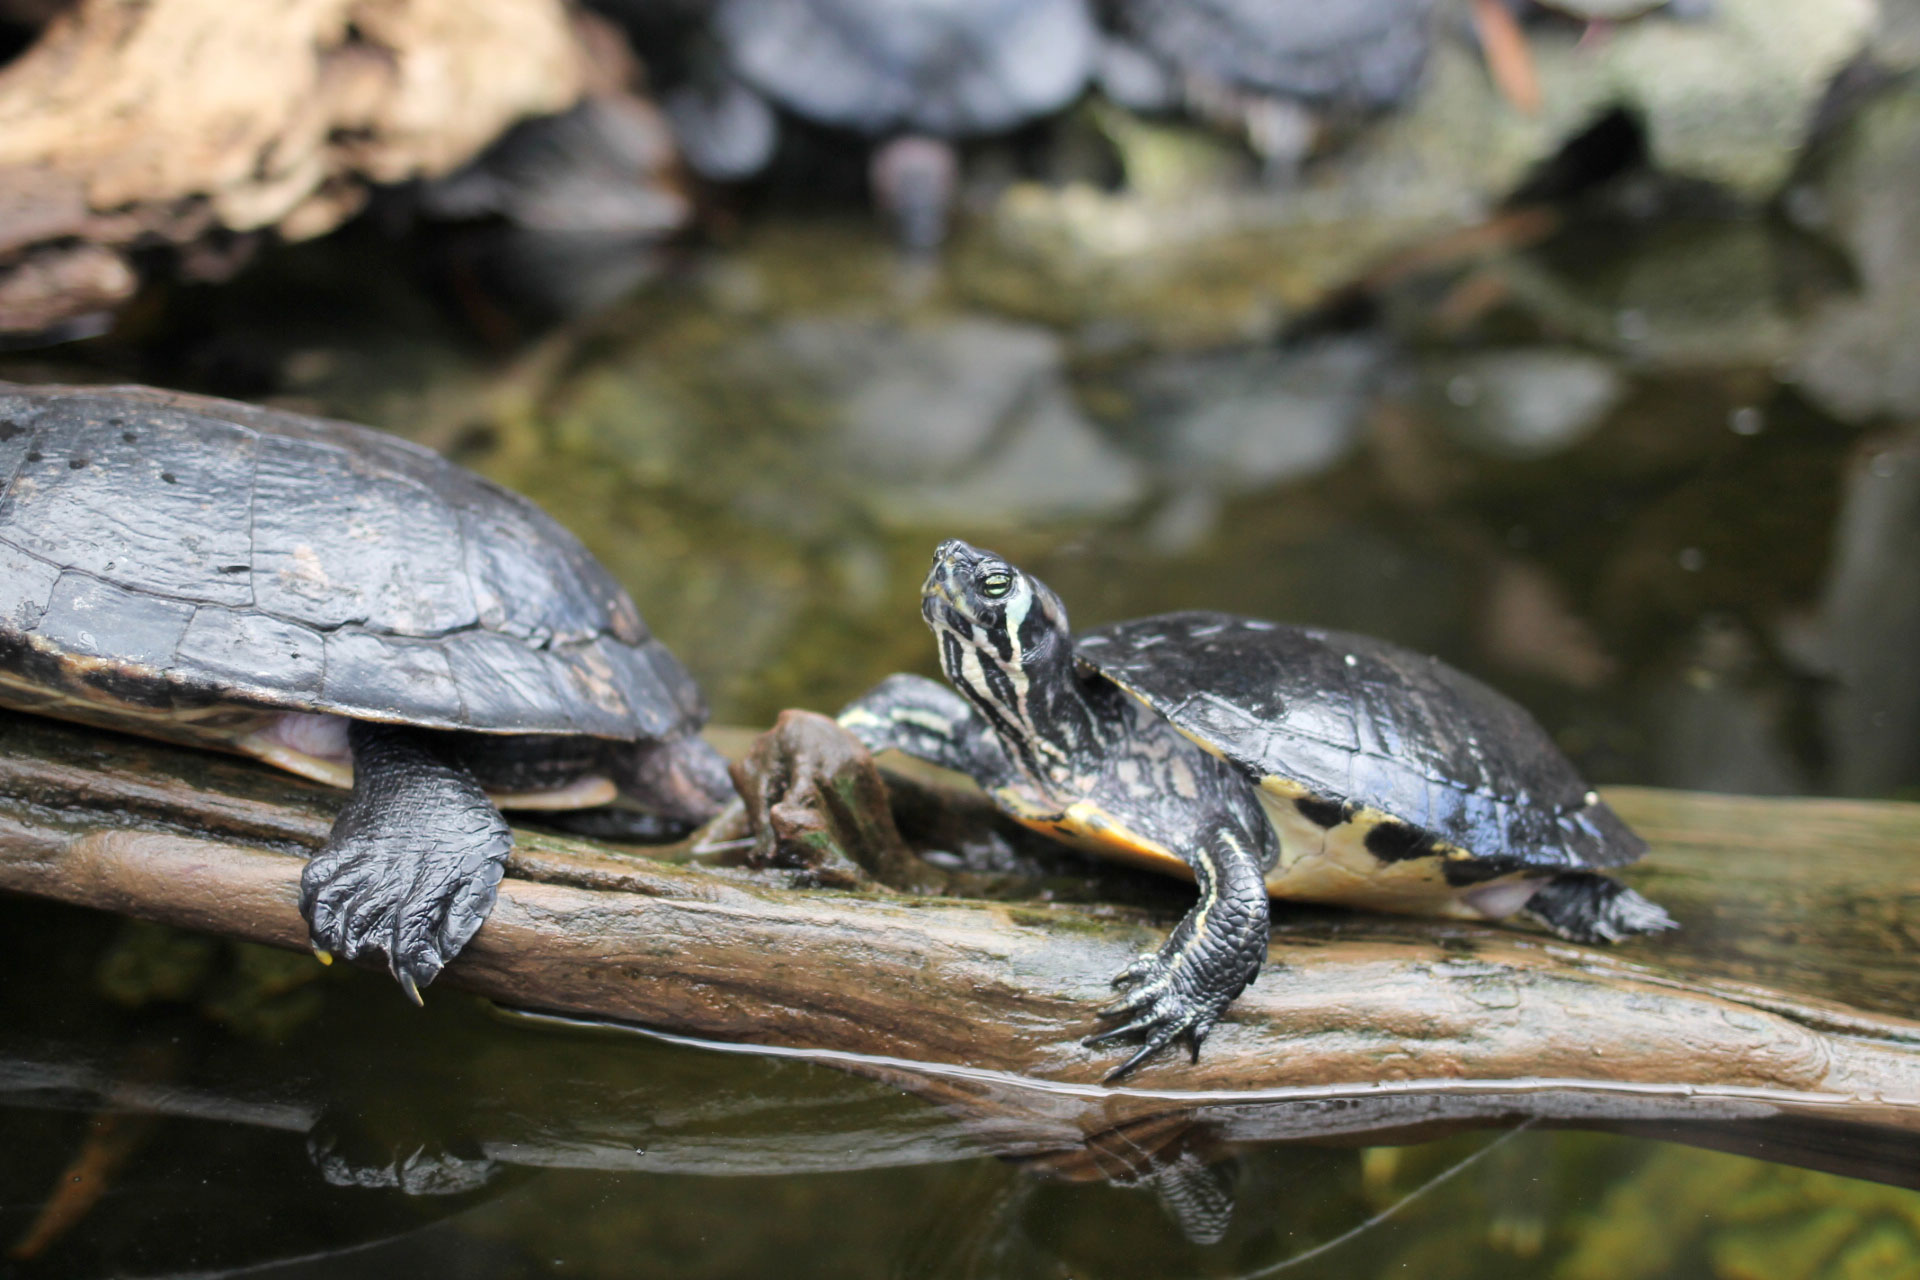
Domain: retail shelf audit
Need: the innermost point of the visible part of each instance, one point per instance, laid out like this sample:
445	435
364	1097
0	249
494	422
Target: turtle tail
1583	906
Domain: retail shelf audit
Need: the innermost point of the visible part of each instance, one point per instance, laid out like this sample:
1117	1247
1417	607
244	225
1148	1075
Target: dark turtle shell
1353	724
178	553
945	67
1363	53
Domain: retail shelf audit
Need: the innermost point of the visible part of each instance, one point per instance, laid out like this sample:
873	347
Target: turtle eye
995	585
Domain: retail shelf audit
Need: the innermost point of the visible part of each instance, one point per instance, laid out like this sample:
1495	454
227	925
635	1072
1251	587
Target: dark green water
1589	470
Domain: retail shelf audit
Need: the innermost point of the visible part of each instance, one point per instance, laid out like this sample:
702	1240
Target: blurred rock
1244	420
1717	723
1731	98
1522	403
1529	626
596	169
179	120
888	69
1679	294
1195	250
571	207
1897	43
928	399
1261	67
968	420
726	130
1728	99
1857	360
1365	53
1866	632
882	66
50	289
1214	425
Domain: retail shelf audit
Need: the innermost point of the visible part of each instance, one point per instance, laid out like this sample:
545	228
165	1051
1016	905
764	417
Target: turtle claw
1133	1001
408	985
1137	1027
412	865
1168	1000
1165	1013
1146	966
1145	1051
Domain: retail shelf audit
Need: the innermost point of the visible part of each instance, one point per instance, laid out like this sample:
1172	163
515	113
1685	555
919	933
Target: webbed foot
413	863
1182	989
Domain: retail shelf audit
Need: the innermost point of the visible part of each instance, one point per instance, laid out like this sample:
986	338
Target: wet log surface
1772	1018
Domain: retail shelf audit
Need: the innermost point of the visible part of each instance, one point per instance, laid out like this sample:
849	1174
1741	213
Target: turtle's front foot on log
1182	989
413	863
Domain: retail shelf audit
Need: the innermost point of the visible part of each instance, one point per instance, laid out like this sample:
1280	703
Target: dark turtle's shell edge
527	633
1352	729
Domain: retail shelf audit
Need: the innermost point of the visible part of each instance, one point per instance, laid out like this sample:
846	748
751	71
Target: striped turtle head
1005	646
976	600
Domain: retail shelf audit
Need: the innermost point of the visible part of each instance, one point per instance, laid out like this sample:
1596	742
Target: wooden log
178	121
1359	1025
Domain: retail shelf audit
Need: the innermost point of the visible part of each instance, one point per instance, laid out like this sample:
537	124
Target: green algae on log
1360	1025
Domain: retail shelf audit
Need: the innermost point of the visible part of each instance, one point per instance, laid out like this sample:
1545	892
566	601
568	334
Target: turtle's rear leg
1584	906
930	722
414	860
1208	959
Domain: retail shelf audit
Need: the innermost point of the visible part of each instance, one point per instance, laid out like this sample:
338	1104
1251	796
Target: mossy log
1775	1009
128	125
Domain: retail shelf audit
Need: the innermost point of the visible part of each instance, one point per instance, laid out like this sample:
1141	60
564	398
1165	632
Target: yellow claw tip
324	957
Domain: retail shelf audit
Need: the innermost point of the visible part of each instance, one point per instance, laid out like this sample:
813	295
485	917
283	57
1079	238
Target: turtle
1265	67
351	608
913	73
1260	759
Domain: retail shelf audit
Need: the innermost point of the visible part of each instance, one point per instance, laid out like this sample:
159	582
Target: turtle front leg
1208	959
930	722
412	865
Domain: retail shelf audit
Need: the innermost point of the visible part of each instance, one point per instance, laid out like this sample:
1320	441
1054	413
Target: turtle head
977	600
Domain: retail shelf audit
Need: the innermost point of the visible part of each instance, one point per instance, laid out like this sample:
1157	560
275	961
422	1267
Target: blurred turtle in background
911	74
1270	69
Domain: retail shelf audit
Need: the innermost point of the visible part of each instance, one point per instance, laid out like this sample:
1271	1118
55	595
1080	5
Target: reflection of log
1359	1018
174	120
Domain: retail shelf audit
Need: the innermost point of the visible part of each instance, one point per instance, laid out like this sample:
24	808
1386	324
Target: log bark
135	122
1359	1025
